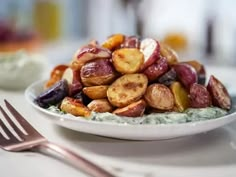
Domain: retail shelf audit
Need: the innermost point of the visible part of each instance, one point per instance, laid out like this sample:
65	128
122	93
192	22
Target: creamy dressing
190	115
19	69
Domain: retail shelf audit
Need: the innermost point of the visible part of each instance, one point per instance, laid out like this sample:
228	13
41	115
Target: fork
30	139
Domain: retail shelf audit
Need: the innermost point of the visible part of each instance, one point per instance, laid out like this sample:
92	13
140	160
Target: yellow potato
181	96
74	107
127	89
100	105
114	41
127	60
96	92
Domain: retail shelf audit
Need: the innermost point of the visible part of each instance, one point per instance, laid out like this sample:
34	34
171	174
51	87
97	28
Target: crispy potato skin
169	54
127	60
159	96
135	109
74	107
127	89
100	105
96	92
220	95
114	41
181	96
56	75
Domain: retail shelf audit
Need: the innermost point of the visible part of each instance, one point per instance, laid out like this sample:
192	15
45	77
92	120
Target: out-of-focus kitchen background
197	29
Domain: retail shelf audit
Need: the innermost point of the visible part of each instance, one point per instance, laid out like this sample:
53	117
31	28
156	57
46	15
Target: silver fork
32	140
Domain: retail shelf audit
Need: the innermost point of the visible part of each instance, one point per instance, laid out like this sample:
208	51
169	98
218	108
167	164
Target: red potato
156	69
73	79
159	96
219	94
98	72
201	72
100	105
127	89
88	53
151	51
127	60
199	96
131	42
168	78
135	109
74	107
186	74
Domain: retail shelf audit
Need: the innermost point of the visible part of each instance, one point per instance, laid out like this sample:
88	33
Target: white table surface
211	154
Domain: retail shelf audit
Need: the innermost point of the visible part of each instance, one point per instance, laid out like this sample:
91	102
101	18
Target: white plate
124	131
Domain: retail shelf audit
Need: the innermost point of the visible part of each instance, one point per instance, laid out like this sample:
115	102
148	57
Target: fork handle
72	158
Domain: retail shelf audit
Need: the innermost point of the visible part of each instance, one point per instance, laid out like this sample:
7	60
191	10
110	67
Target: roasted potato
159	96
135	109
219	94
114	41
127	60
100	105
151	51
127	89
199	96
88	53
96	92
131	42
74	107
97	72
169	54
180	96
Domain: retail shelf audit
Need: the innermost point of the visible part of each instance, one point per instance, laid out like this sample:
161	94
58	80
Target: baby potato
159	96
135	109
180	96
127	60
168	53
74	107
127	89
96	92
100	105
56	75
114	41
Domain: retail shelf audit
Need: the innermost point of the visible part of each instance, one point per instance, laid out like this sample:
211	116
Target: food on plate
127	77
169	54
156	69
100	105
181	97
127	60
135	109
159	96
131	42
151	51
127	89
220	95
53	95
96	92
114	41
97	72
186	74
74	107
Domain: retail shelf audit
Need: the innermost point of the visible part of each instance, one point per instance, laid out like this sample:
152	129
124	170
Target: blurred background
197	29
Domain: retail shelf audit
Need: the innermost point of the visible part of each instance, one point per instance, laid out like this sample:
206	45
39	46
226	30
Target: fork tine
21	120
11	123
7	131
